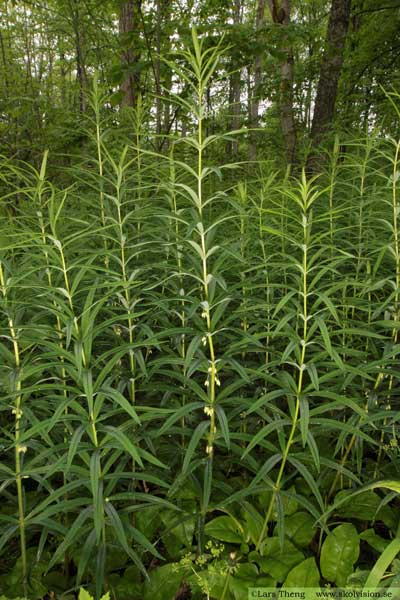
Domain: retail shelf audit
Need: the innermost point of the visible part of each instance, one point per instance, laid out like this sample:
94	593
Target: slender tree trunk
5	66
80	54
235	88
30	63
288	122
63	82
281	15
330	71
129	21
163	80
255	96
158	73
308	97
351	83
167	118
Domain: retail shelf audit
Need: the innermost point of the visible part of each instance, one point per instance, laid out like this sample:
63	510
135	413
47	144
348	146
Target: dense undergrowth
199	367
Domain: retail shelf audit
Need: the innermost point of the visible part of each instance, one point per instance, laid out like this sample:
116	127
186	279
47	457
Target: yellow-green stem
19	449
212	378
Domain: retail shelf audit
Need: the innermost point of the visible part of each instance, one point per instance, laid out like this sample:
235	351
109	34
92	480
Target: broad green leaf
277	562
225	529
303	575
245	577
300	528
183	526
148	520
84	595
130	586
339	552
366	506
388	484
163	583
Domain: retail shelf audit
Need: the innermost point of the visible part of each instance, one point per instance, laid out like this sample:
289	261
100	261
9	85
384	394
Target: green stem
19	449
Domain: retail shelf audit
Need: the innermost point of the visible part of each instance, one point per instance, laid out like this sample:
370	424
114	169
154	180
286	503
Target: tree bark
163	81
234	95
281	15
331	67
255	96
129	20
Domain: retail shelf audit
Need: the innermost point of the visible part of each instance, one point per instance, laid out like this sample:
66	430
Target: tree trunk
63	73
234	92
255	96
281	15
288	123
330	71
158	73
163	81
129	20
79	50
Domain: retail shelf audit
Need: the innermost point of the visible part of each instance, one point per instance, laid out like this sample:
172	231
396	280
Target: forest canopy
293	69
